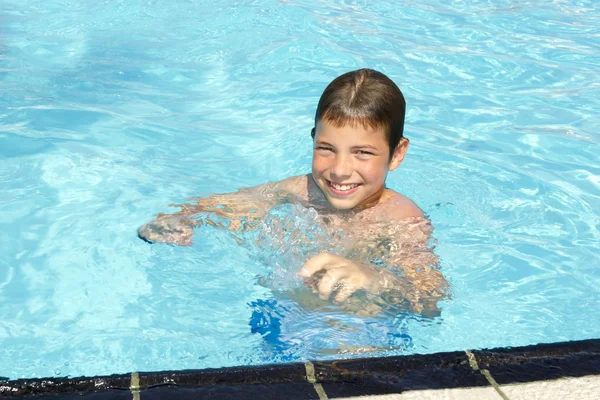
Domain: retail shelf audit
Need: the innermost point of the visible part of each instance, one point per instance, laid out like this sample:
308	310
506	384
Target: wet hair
364	97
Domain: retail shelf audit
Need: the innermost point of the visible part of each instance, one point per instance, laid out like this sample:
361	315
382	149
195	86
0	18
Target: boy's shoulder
398	206
294	184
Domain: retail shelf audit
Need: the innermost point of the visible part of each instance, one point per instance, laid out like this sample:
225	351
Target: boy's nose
342	167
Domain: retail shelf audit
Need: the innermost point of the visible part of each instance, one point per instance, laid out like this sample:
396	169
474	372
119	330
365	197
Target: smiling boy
358	138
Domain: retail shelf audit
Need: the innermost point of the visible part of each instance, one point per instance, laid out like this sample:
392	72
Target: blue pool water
109	111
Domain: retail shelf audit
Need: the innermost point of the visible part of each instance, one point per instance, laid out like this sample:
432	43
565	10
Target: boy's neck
371	201
322	201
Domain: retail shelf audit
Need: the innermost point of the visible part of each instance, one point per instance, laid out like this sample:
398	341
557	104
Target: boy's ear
399	153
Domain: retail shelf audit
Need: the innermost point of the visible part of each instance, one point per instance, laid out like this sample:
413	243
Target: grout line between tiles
310	376
134	386
473	364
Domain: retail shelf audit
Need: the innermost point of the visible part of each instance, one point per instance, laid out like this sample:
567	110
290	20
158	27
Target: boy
358	138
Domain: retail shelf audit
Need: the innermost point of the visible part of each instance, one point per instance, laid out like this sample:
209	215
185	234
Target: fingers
319	262
329	273
332	274
314	265
337	282
176	231
145	233
330	282
344	292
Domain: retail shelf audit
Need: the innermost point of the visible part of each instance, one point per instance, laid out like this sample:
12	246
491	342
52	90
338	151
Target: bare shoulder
293	183
296	185
398	206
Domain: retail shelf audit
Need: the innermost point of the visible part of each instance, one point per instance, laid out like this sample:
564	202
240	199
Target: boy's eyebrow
358	147
365	146
322	142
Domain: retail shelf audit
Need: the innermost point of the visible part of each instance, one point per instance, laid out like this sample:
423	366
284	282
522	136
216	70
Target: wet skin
347	188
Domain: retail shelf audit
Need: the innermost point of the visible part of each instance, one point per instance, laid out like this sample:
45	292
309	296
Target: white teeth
342	187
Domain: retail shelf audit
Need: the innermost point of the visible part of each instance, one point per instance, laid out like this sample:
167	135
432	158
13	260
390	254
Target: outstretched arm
241	209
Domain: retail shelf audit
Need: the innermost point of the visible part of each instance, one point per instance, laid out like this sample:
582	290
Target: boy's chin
341	205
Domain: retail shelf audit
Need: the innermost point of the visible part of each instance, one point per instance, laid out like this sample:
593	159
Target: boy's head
358	138
366	98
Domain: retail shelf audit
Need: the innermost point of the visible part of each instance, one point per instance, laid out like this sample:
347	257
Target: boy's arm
412	254
241	209
419	285
427	284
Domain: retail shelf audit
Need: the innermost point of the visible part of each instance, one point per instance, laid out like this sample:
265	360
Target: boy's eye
364	153
323	148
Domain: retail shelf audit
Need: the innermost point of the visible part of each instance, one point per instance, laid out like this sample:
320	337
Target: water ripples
111	111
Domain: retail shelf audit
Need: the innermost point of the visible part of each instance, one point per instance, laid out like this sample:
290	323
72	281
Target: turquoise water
109	111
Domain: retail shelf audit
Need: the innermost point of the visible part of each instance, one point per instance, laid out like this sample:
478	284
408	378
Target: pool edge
335	379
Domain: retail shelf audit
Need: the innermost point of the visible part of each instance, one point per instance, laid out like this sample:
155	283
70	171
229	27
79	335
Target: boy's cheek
376	173
318	162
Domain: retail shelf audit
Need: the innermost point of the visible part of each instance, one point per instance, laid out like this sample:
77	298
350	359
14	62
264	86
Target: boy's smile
342	189
350	164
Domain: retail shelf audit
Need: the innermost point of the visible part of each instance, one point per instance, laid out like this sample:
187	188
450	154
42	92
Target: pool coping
333	379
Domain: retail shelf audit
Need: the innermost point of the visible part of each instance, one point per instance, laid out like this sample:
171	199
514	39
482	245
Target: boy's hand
326	273
175	230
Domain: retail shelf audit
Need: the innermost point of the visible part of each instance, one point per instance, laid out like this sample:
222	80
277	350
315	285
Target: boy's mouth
342	189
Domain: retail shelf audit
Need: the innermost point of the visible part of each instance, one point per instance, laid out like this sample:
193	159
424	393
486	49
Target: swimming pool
110	111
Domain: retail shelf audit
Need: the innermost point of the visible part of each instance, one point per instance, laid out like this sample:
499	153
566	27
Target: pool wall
490	368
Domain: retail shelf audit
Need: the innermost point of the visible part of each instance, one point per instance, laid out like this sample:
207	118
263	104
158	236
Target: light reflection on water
107	116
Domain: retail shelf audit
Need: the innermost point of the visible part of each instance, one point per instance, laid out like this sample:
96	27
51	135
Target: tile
100	395
584	388
548	370
541	362
361	377
60	386
288	391
248	375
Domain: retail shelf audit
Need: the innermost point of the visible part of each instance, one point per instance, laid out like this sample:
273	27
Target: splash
285	239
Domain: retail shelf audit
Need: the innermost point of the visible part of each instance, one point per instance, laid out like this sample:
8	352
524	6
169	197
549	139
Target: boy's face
350	164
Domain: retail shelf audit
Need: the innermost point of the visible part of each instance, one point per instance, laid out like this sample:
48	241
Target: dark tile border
359	377
110	394
55	386
339	378
287	391
541	362
249	375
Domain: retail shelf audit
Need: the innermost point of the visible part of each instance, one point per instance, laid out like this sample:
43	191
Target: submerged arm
412	280
409	252
240	209
427	283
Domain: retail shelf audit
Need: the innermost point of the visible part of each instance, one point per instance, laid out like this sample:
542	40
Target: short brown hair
365	97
